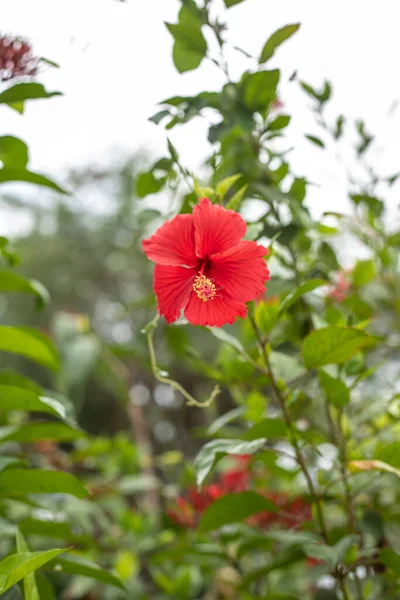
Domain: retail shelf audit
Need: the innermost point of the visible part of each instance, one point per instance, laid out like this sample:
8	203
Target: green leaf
11	282
390	559
363	272
266	315
223	420
36	431
159	116
17	482
323	96
229	3
8	462
71	563
315	140
147	184
334	345
276	39
232	508
279	123
10	377
16	95
304	288
336	391
270	429
213	451
332	555
16	398
298	189
374	204
390	454
223	336
236	200
17	566
190	46
29	343
30	589
224	185
8	174
13	152
253	231
259	89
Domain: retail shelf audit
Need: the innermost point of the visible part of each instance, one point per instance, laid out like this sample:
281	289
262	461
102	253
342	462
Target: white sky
116	65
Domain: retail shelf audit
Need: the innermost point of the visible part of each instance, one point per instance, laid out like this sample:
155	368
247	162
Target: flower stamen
204	287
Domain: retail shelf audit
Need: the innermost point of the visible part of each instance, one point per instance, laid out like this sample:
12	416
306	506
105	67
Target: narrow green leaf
72	563
8	174
213	451
276	39
29	343
224	185
336	390
223	420
232	508
17	482
30	589
229	3
236	200
334	345
159	116
315	140
223	336
13	152
372	465
279	123
304	288
15	567
11	282
36	431
16	398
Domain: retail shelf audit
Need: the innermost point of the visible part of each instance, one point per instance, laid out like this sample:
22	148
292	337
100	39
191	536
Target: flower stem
149	332
299	455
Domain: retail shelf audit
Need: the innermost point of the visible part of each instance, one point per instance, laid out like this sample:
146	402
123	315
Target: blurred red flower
342	287
203	267
16	59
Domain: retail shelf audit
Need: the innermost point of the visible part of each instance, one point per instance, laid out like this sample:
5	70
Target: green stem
299	455
149	331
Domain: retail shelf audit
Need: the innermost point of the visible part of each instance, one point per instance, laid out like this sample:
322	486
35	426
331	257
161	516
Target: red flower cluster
203	267
16	59
342	288
191	506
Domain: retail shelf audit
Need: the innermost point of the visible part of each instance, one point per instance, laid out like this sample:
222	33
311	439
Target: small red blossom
16	59
277	104
342	287
204	267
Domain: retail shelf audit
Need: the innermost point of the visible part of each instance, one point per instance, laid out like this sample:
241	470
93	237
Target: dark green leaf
334	345
13	152
298	189
276	39
16	95
147	184
8	174
232	508
304	288
16	398
391	559
17	482
36	431
71	563
315	140
269	429
11	282
336	391
213	451
323	96
17	566
159	116
229	3
259	89
279	123
30	343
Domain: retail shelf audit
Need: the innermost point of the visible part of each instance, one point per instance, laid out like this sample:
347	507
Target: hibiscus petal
241	271
173	286
214	313
173	243
216	228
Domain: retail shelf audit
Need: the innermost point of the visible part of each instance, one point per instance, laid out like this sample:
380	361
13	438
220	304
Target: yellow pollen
205	288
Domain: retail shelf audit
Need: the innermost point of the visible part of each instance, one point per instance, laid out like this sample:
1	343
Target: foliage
285	485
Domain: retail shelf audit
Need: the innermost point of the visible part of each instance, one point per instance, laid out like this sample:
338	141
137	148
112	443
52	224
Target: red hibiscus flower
203	267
